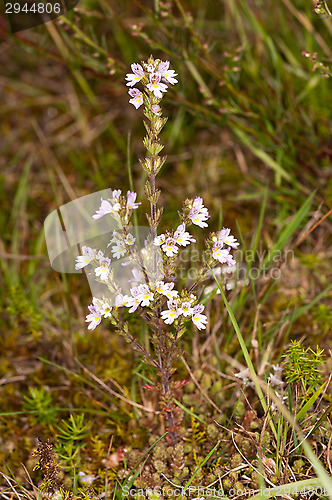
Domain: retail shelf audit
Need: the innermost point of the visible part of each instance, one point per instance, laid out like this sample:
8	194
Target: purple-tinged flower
134	301
219	253
103	270
171	313
230	261
224	236
121	300
131	204
103	306
116	195
88	254
166	289
137	97
198	219
156	86
170	247
105	208
186	309
144	295
109	206
182	237
198	214
94	317
199	320
167	74
136	75
159	240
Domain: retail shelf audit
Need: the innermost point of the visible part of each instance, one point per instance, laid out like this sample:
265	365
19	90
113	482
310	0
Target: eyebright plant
154	296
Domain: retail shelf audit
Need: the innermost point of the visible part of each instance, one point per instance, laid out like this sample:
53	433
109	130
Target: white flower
104	209
97	302
171	313
170	247
198	214
88	254
166	289
116	200
167	74
106	310
119	249
122	300
116	195
100	256
277	370
116	238
156	86
103	270
144	295
182	237
130	240
136	97
222	254
131	204
136	75
186	309
133	303
219	253
199	320
243	375
102	306
94	317
159	240
228	239
199	220
230	261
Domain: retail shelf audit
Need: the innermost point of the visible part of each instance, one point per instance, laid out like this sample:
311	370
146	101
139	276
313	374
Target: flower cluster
117	204
148	295
185	308
119	248
152	78
145	295
102	263
220	253
169	242
98	310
